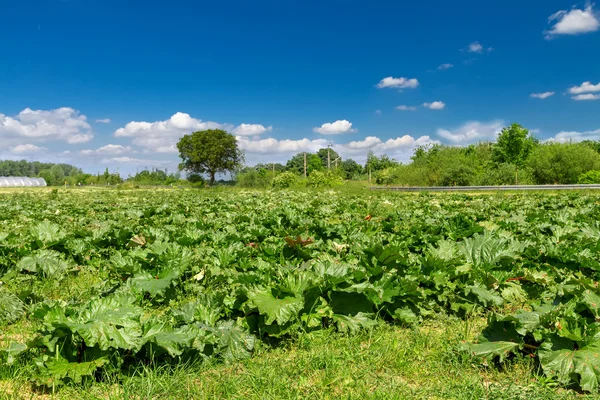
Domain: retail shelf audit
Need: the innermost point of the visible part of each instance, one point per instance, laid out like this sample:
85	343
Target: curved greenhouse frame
21	181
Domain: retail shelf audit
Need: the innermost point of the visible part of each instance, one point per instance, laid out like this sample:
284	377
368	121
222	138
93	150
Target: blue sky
274	72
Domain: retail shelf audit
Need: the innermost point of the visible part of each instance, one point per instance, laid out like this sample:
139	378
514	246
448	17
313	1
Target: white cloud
274	146
162	136
472	132
574	136
400	148
136	161
436	105
445	66
476	47
588	96
398	83
62	124
542	96
585	87
109	149
26	149
103	121
335	128
273	150
251	130
406	108
378	112
573	22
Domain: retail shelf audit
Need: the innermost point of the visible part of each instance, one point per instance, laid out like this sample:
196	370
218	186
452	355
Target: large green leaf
281	310
492	349
560	359
56	371
110	322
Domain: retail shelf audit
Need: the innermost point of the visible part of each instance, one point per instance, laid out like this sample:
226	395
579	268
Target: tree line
516	157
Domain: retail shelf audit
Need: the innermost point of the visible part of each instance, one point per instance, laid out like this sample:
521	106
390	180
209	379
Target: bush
558	163
505	174
589	178
321	179
284	180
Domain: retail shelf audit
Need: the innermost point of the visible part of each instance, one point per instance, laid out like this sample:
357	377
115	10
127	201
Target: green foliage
118	278
155	177
323	179
324	153
562	162
590	177
513	146
285	180
211	151
11	307
350	168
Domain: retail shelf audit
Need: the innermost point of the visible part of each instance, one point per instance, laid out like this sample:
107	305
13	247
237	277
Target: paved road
482	188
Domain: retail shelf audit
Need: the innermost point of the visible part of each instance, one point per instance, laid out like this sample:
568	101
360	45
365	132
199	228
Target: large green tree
211	151
562	163
333	155
513	146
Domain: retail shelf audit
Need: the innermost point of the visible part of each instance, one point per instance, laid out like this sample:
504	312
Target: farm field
288	294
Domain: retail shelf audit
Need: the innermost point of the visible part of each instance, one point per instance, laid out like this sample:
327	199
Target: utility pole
305	164
273	168
328	156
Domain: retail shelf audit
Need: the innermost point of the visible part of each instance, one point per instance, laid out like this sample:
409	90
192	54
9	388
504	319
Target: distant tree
562	163
513	146
296	164
350	168
211	151
322	153
47	175
375	163
313	163
58	175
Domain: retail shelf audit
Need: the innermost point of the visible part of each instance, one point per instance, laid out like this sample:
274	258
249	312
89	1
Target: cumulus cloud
62	124
103	121
162	136
436	105
398	83
400	148
472	132
251	130
476	47
445	66
573	22
574	136
542	96
406	108
588	96
26	149
585	87
335	128
273	150
274	146
136	161
109	149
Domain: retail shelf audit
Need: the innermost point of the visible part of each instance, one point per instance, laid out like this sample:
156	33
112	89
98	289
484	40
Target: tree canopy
211	151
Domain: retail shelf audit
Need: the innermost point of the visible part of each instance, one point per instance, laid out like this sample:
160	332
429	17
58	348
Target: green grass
386	363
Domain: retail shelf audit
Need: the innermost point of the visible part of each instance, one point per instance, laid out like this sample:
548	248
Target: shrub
589	177
562	163
284	180
322	179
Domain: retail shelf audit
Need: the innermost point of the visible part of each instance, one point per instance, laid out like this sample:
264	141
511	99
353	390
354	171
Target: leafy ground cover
275	294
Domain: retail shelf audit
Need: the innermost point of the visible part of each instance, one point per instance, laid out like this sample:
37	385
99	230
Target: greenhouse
20	181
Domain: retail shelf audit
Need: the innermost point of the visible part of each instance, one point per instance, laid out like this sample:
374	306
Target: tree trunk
212	178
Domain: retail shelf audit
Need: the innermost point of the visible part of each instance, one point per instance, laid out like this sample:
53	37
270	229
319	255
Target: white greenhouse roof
18	181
